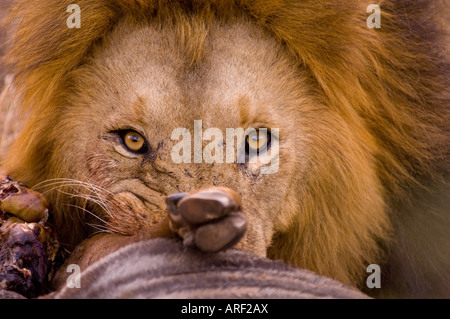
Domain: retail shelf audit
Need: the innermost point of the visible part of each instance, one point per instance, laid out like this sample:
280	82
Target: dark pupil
135	139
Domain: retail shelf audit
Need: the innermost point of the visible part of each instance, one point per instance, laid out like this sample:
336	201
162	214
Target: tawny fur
370	186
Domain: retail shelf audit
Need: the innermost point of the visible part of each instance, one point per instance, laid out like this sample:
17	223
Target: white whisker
96	197
103	228
87	211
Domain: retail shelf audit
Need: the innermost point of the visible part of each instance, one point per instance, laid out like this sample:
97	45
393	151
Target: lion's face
120	132
124	134
143	84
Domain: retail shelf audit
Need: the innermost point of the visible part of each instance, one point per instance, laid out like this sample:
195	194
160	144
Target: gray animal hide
165	269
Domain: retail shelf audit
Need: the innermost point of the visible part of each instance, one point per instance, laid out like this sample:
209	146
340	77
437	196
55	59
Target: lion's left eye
134	142
257	142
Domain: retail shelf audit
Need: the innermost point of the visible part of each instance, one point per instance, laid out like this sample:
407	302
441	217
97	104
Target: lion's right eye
133	141
258	142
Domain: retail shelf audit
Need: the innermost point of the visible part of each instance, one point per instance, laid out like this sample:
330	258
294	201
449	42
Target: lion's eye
134	142
257	142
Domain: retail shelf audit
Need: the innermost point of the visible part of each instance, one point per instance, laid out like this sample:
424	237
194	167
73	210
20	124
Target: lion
362	117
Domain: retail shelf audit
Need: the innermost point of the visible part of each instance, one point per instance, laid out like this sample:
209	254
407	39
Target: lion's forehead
226	75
